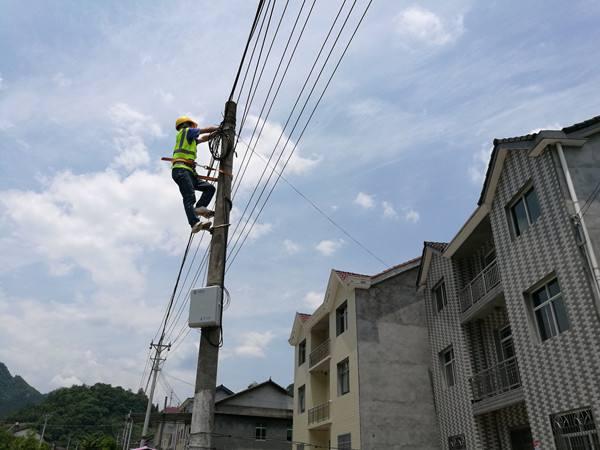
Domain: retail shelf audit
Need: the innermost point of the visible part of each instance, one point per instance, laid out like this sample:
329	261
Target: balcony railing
481	285
496	380
319	413
320	352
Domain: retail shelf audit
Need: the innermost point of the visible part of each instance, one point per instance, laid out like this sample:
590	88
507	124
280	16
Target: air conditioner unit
205	307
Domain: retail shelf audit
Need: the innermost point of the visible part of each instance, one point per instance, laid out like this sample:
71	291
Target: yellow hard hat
184	119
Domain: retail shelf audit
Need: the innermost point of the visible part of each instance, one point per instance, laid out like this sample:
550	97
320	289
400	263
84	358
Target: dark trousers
188	185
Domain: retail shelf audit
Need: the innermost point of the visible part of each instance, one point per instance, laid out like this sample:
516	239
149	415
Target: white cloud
313	299
412	216
60	380
291	247
329	247
61	80
366	108
365	200
418	24
99	222
131	128
253	344
271	133
388	210
479	163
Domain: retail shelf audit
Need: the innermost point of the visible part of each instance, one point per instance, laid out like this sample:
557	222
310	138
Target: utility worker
184	172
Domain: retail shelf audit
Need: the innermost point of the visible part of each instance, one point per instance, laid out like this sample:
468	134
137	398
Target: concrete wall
243	430
584	167
266	396
396	401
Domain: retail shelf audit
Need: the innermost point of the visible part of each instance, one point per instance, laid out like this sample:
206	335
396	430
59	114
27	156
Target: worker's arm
208	129
206	136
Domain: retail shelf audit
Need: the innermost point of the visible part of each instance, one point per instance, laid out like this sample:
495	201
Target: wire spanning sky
91	225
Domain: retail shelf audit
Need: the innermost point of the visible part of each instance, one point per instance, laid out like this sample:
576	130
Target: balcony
319	415
497	387
477	295
319	356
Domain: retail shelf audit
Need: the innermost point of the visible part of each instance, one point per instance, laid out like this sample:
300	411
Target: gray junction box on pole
205	307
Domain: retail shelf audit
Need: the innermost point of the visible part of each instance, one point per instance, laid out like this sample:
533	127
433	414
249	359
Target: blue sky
91	225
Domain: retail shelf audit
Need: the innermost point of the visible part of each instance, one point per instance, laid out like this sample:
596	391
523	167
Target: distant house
259	417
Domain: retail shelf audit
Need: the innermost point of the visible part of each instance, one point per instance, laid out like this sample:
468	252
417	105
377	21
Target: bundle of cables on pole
217	142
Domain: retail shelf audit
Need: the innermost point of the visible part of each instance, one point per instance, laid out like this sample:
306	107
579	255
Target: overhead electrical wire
256	18
322	212
238	236
263	120
304	129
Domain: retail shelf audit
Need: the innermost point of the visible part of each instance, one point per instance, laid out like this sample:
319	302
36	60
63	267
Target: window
439	293
341	318
289	434
448	366
505	343
343	377
344	442
301	352
549	310
457	442
524	211
301	403
299	446
261	432
575	430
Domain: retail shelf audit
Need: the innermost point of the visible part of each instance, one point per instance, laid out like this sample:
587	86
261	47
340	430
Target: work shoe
201	226
204	212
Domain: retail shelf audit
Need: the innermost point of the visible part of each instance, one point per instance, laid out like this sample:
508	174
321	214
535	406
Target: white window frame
301	352
441	287
301	399
504	340
262	430
344	441
522	197
344	365
341	312
448	365
548	305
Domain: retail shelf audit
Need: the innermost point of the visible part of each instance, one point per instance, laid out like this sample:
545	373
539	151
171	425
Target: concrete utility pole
203	413
155	369
43	430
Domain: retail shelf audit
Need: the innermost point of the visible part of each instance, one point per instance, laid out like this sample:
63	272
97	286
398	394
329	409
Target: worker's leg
186	180
207	189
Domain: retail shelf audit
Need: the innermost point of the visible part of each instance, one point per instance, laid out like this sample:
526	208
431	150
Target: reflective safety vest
184	149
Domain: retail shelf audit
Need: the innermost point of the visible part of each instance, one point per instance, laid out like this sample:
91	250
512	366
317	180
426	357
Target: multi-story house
512	302
259	417
361	371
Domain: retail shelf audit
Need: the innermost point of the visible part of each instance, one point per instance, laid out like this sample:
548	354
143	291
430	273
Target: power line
238	237
243	168
306	125
320	211
256	18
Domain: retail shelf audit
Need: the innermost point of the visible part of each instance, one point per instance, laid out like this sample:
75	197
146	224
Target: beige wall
320	387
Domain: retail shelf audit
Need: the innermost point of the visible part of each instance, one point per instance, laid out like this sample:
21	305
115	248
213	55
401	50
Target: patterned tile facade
453	404
559	374
563	372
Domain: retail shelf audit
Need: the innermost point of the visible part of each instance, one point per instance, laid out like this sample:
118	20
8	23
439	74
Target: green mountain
82	412
15	393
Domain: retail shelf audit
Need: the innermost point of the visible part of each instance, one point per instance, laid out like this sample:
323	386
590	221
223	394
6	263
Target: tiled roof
398	266
343	275
580	125
526	137
171	410
440	246
304	317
